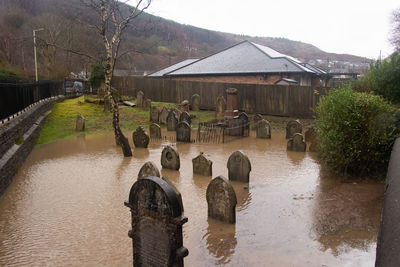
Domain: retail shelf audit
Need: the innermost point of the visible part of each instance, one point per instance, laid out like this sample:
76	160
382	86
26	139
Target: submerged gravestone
239	167
202	165
155	131
80	123
140	99
313	146
220	107
256	120
183	132
195	102
310	134
296	143
245	124
221	200
148	169
140	138
154	114
170	158
235	127
172	121
185	116
293	127
263	129
156	220
163	115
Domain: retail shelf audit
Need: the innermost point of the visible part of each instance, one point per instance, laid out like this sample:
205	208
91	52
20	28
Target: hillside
153	42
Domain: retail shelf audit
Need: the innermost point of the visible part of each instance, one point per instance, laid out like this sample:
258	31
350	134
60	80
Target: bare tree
115	16
395	38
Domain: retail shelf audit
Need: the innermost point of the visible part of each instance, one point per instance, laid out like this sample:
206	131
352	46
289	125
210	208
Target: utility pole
34	50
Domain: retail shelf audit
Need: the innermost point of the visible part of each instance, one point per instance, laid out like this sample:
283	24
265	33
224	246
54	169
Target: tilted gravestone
155	131
140	99
296	143
293	127
147	104
154	114
163	115
80	123
195	102
156	217
221	200
148	169
185	106
239	167
183	132
140	138
245	124
185	116
220	107
172	121
170	158
263	130
256	119
202	165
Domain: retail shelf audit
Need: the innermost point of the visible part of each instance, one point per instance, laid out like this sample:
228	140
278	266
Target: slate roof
178	65
244	58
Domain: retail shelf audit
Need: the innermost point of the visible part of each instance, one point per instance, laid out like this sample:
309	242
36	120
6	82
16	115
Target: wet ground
65	207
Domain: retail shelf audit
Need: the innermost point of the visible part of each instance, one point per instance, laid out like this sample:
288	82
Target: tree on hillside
395	39
114	18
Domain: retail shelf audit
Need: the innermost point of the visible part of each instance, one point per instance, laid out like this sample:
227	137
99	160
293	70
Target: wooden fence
279	100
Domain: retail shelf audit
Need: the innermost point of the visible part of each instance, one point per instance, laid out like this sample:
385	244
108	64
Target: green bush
96	75
7	74
356	131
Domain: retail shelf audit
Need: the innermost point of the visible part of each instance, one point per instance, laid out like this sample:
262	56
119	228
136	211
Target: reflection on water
65	207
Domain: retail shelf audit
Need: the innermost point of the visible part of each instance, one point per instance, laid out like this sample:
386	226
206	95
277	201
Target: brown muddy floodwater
65	207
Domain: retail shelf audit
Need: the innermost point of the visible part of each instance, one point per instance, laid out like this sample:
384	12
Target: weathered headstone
140	138
185	106
183	132
221	200
140	99
185	116
202	165
80	123
293	127
155	131
179	195
231	102
170	158
245	124
296	143
157	221
235	127
310	134
148	169
195	102
256	119
163	115
220	107
172	121
263	130
147	104
154	114
239	167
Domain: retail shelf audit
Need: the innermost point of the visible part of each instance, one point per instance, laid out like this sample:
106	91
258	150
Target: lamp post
34	50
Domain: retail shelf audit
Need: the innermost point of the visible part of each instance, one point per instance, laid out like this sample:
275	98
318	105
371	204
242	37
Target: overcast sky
342	26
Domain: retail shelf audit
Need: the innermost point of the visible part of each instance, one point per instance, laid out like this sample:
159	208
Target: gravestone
310	134
179	195
185	116
148	169
221	200
80	123
220	107
296	143
172	121
185	106
183	132
202	165
163	115
231	103
235	127
256	119
195	102
170	158
154	114
147	104
155	131
263	130
293	127
245	124
239	167
140	138
156	219
140	99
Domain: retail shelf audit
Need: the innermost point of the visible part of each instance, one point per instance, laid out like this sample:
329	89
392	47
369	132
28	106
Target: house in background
247	62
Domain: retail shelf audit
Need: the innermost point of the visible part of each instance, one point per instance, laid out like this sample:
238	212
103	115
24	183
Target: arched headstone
202	165
263	129
139	99
221	200
163	115
256	119
140	138
245	124
185	116
172	121
220	107
296	143
170	158
155	131
195	102
293	127
239	167
148	169
157	221
154	114
80	123
183	132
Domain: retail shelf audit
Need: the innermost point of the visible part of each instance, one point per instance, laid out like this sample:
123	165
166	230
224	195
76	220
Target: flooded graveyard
66	207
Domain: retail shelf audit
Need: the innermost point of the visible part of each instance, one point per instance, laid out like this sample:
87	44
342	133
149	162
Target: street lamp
34	50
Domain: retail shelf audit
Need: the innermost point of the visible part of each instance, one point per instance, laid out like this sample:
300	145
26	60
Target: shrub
356	131
7	74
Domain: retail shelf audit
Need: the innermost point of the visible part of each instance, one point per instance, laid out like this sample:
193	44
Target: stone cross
239	167
263	129
172	121
220	107
221	200
156	219
140	99
185	116
80	123
155	131
183	132
296	143
148	169
170	158
163	115
293	127
202	165
195	102
154	114
140	138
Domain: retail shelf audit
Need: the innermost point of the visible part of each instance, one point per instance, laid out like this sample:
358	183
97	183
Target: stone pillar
231	103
